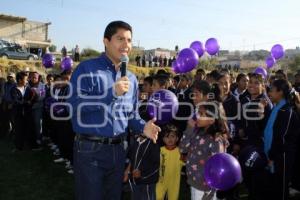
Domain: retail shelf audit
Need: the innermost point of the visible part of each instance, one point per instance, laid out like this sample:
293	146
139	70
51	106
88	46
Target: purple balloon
222	171
175	67
270	61
187	60
277	51
262	71
66	63
48	60
162	105
212	47
198	47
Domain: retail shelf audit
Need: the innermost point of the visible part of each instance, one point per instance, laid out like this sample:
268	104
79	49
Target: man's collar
107	60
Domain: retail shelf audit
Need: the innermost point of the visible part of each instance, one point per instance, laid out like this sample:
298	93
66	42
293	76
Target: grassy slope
17	65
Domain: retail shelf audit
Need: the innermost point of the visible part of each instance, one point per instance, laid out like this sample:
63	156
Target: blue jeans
99	170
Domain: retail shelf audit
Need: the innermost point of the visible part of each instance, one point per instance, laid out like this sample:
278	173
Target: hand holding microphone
124	61
123	83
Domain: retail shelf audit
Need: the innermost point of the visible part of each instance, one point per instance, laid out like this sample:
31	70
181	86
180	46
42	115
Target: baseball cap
11	74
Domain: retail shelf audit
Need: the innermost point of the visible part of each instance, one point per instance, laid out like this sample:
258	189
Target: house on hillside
230	64
160	52
31	35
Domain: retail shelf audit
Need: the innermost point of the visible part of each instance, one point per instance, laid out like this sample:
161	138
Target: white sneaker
69	166
50	144
294	192
53	147
56	152
59	160
68	163
71	171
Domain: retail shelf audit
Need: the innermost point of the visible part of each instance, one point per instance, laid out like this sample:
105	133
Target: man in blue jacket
104	108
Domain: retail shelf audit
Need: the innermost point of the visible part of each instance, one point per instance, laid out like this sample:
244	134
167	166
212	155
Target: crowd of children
29	114
217	113
241	116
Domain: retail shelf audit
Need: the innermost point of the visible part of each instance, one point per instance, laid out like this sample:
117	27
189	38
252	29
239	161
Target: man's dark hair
161	79
258	77
202	86
149	80
222	76
215	74
20	76
49	76
56	77
113	27
161	71
224	71
284	86
201	71
240	76
34	72
281	72
184	77
177	78
66	72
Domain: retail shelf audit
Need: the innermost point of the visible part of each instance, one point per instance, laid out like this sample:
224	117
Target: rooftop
13	18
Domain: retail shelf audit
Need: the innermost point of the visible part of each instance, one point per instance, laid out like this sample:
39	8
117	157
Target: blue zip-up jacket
96	110
7	91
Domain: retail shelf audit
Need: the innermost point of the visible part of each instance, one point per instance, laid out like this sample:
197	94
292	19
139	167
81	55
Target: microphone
124	60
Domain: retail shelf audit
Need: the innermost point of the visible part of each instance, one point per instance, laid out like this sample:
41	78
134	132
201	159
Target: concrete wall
27	30
10	29
35	31
155	52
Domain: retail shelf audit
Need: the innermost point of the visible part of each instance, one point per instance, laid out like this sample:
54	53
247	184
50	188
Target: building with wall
32	35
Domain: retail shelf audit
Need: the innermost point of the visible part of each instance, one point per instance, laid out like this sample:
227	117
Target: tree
52	48
294	65
208	64
256	55
88	52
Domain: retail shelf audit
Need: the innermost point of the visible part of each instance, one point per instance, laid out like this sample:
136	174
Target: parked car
4	43
16	53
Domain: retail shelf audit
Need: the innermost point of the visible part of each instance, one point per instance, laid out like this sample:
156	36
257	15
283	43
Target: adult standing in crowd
7	104
38	91
64	52
104	108
76	53
2	92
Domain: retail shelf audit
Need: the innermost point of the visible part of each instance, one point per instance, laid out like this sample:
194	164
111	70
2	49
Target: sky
237	24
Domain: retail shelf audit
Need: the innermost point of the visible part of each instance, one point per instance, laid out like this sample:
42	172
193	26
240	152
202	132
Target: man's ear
105	41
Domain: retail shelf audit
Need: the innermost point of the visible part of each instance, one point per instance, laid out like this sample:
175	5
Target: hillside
7	66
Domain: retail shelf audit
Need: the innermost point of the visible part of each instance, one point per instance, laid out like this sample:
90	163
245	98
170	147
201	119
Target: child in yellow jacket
170	165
